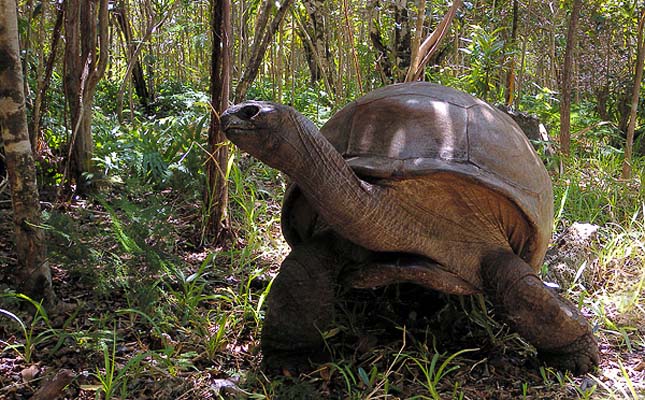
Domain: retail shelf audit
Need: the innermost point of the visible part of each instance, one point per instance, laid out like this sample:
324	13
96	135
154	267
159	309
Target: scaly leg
554	326
300	307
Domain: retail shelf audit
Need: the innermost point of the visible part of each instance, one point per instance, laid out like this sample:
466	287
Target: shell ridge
433	97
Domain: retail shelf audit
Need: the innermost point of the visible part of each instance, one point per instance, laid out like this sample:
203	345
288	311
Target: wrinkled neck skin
329	184
357	210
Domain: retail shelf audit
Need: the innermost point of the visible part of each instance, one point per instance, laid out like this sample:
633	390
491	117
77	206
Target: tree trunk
383	63
565	91
24	43
134	67
638	77
138	77
216	192
260	46
311	35
316	44
86	56
314	60
551	76
393	61
510	73
602	91
520	76
33	275
40	103
402	48
431	43
415	57
349	32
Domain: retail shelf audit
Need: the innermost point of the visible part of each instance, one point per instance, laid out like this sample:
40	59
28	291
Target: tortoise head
270	132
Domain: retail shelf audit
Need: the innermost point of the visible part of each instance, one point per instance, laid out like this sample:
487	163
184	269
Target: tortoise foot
551	323
300	308
578	357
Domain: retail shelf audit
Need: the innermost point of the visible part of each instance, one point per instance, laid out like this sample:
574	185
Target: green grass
181	318
154	311
34	333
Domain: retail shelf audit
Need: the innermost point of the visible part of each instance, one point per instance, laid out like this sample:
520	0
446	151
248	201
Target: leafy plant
113	378
32	338
27	334
485	49
544	102
158	150
192	290
434	373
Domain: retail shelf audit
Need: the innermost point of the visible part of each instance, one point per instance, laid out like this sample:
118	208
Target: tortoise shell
413	130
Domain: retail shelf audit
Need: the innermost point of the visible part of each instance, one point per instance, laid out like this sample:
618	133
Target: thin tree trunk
86	56
602	91
510	74
133	56
216	193
551	80
415	57
260	47
138	77
565	91
292	60
315	42
40	103
520	76
314	59
402	48
310	33
349	31
25	47
432	41
277	64
33	274
638	77
383	62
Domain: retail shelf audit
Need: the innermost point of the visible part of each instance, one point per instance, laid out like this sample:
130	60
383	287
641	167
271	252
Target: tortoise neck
357	210
323	174
328	182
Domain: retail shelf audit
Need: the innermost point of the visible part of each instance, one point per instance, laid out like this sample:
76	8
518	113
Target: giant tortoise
413	182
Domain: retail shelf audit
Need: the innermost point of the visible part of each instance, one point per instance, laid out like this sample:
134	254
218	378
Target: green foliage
434	372
191	293
178	98
485	49
105	99
32	332
113	377
27	334
313	101
161	151
251	184
545	104
591	189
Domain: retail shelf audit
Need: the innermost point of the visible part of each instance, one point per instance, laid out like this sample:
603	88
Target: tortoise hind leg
300	307
553	325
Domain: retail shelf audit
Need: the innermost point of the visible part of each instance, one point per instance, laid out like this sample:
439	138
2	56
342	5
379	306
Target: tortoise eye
248	112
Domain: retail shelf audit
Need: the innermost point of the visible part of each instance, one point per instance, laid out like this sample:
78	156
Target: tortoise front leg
300	307
553	325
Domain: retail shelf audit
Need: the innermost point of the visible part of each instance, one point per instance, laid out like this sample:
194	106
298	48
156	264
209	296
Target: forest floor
149	315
